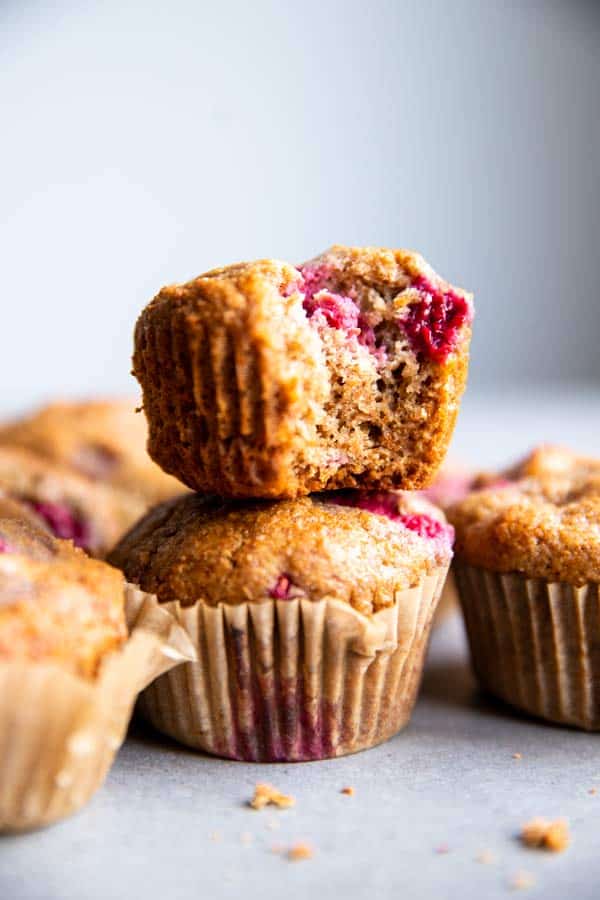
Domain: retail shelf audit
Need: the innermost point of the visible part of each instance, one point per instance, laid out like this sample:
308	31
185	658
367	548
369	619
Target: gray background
145	142
141	144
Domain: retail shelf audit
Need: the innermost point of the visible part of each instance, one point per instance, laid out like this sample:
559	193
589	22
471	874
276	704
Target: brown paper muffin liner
448	601
210	396
535	644
294	680
59	733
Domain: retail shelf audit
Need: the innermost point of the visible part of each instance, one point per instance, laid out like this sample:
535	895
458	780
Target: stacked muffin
302	402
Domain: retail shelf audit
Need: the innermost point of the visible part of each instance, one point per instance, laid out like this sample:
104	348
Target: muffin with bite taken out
269	380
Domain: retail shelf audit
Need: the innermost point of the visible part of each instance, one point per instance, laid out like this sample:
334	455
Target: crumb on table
545	835
522	881
348	790
517	756
300	851
265	794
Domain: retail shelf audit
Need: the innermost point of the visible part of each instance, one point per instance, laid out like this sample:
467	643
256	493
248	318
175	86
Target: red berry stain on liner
433	323
63	522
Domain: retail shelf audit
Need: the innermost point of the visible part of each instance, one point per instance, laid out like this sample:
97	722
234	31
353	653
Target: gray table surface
173	824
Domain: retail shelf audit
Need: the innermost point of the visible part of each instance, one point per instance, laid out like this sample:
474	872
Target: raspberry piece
386	504
337	310
426	526
382	504
314	279
5	546
433	323
63	522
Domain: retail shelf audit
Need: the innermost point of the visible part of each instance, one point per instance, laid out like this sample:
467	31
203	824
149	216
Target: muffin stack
301	403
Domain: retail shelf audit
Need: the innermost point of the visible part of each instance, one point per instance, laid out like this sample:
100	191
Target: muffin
267	380
105	440
76	646
546	462
91	514
527	567
310	618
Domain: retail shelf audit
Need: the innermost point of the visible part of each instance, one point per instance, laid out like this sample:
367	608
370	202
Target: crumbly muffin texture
56	604
92	515
356	548
541	518
105	440
269	380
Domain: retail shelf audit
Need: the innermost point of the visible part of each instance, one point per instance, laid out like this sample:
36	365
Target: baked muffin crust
105	440
197	548
91	514
542	518
56	604
21	531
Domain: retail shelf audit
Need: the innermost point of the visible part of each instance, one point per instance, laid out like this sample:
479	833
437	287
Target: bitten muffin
528	571
310	618
267	380
104	440
92	515
77	644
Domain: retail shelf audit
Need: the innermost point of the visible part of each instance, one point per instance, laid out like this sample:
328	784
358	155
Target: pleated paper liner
216	415
294	680
448	604
59	733
535	644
